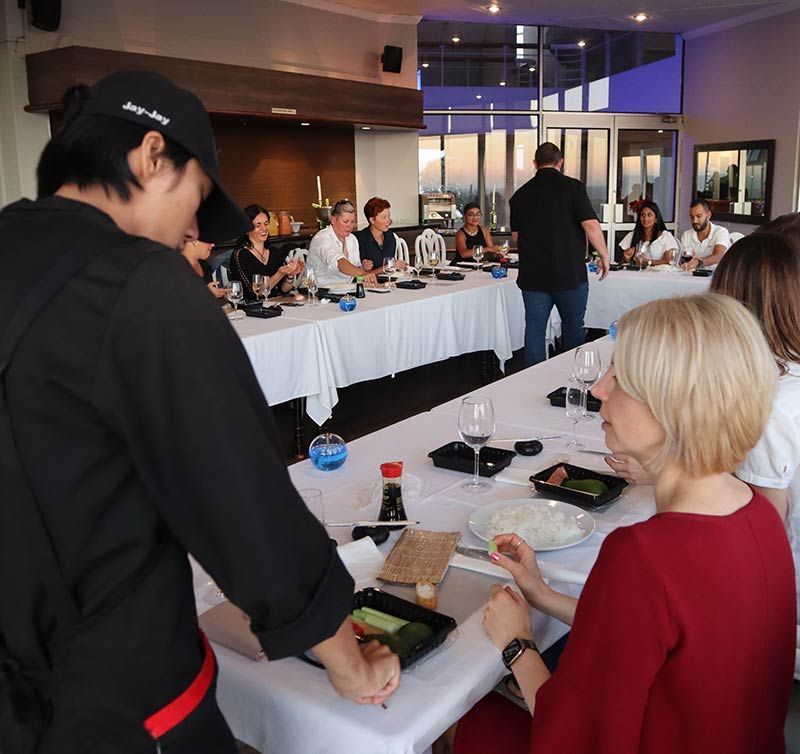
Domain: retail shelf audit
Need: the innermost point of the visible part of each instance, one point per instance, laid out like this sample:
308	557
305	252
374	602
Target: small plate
479	519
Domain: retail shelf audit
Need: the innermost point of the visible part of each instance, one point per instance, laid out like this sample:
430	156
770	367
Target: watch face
511	652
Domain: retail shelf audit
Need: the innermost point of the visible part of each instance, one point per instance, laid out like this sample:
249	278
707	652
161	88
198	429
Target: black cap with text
152	101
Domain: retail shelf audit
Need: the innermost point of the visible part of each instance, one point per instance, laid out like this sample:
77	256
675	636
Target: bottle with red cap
392	502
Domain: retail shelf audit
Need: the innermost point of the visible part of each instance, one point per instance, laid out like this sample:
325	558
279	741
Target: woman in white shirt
650	236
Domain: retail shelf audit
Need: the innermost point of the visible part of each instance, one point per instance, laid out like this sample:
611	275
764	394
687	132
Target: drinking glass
476	427
586	367
313	500
477	254
261	287
235	295
389	268
433	260
686	258
640	257
311	284
576	407
674	259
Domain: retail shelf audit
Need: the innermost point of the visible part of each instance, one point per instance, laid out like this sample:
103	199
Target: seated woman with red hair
376	242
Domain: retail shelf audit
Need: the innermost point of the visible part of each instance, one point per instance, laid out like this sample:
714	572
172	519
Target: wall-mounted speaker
46	14
392	59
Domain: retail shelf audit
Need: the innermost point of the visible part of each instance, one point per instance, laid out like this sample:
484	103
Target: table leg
300	428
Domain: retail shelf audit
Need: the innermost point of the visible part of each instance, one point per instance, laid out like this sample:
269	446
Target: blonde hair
703	368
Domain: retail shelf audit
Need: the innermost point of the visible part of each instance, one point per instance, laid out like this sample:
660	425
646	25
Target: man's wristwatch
700	262
515	649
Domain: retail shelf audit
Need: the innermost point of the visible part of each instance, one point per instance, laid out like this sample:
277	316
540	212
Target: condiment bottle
284	223
360	293
392	502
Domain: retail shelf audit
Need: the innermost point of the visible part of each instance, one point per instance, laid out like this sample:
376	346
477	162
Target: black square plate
262	312
458	456
586	500
412	285
559	398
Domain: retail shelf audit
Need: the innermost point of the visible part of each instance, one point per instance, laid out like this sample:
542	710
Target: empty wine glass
575	404
476	426
586	367
235	295
640	256
389	268
311	284
477	254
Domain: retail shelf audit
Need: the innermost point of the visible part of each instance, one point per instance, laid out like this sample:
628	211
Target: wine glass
476	426
586	367
260	286
674	257
433	260
575	403
477	254
389	268
640	256
311	284
235	294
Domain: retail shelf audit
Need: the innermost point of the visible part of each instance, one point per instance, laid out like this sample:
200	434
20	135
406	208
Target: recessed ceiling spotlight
455	39
502	83
582	43
641	17
305	124
493	8
661	130
425	65
532	68
365	128
478	96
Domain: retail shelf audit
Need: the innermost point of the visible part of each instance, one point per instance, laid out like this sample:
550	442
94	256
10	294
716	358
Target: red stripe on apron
182	706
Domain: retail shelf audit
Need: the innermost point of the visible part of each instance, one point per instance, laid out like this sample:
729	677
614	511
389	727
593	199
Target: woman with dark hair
472	234
376	242
252	256
650	237
197	253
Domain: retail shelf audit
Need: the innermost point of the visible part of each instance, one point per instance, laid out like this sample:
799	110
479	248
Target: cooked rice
539	527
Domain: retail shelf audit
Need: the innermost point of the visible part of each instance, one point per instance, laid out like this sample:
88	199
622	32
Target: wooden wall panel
276	165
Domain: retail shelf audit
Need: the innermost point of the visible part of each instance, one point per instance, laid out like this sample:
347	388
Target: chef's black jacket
146	435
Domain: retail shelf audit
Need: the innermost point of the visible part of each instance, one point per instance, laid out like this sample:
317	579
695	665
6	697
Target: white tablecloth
624	290
289	707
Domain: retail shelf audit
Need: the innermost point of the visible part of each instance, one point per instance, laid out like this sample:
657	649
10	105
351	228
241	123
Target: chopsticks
404	522
523	439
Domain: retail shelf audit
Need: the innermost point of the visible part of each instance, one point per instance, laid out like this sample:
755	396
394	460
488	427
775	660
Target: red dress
683	641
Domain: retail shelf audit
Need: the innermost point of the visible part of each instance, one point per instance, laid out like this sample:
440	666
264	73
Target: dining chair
424	243
735	237
402	249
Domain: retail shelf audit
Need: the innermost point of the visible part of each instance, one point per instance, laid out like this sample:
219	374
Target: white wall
270	34
387	166
741	83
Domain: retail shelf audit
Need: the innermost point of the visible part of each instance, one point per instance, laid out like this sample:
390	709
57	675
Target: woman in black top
252	256
473	234
196	253
376	242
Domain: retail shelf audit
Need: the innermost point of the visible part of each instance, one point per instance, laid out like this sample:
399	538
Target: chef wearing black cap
108	345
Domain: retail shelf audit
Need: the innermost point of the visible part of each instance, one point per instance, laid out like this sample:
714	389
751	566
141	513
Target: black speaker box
392	59
46	14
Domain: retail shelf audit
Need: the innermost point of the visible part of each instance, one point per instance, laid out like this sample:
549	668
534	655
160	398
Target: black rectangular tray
586	500
412	285
450	276
614	266
702	273
559	398
257	310
458	456
442	625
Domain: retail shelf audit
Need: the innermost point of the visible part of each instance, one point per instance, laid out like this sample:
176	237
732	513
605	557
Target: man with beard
705	242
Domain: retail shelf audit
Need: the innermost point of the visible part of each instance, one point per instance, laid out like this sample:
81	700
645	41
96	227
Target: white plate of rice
543	524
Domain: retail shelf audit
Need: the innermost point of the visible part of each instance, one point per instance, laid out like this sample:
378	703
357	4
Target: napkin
479	566
362	559
511	475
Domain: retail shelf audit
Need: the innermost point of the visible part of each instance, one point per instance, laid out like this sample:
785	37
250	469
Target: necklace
262	257
471	235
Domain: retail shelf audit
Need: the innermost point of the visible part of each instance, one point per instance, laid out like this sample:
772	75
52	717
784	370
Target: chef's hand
629	469
385	673
506	617
519	559
602	267
367	264
370	278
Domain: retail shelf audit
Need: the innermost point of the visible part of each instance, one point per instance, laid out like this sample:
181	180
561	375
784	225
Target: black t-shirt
547	212
368	247
140	421
244	264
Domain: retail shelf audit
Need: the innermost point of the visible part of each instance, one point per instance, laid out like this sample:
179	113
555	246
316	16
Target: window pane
585	158
431	156
587	70
461	167
646	169
494	66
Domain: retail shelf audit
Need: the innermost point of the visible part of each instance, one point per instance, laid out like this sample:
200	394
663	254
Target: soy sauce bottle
360	287
392	502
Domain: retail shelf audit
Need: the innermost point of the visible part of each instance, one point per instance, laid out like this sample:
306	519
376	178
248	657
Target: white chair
222	276
402	249
424	243
735	237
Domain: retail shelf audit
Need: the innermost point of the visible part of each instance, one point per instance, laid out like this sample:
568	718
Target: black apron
135	676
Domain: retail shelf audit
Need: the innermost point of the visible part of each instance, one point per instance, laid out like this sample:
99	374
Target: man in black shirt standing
551	220
120	381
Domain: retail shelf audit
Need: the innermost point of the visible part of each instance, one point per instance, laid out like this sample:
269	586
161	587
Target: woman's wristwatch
515	649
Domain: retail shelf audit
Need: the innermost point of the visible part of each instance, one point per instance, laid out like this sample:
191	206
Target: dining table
288	705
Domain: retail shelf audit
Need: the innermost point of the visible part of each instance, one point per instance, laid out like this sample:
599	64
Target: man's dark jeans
571	306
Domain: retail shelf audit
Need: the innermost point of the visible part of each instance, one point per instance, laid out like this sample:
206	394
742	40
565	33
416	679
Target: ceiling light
661	130
493	8
582	43
502	83
478	96
365	128
305	124
425	65
532	68
641	17
455	39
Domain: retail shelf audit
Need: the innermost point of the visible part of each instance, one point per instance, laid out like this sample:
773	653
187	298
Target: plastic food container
585	500
458	456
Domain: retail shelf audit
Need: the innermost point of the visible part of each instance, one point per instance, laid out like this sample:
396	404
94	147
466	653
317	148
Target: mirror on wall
735	178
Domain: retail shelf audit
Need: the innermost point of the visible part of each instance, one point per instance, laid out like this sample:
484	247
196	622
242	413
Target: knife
474	552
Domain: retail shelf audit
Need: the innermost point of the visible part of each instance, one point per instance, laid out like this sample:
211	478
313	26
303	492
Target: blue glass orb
327	451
